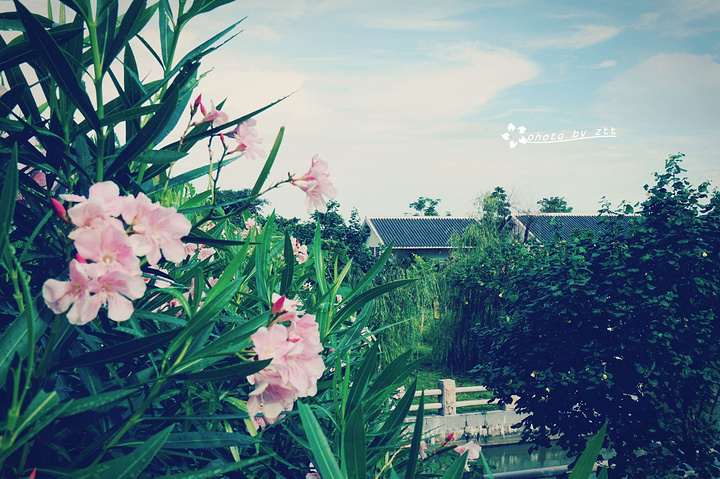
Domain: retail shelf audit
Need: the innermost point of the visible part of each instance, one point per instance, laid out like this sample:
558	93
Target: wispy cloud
417	23
677	91
583	36
604	64
682	18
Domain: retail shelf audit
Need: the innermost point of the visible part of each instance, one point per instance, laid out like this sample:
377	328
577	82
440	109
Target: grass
428	376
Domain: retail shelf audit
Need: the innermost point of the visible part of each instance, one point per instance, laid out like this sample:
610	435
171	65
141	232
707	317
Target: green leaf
584	466
362	376
268	164
218	471
133	21
95	403
227	373
80	6
396	419
23	51
323	457
15	340
151	188
207	440
262	266
486	466
147	135
201	6
190	140
54	60
287	274
130	465
358	302
354	445
40	405
457	468
417	437
119	352
7	202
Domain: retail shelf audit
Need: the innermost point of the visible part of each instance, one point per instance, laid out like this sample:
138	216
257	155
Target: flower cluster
111	233
299	250
293	343
245	133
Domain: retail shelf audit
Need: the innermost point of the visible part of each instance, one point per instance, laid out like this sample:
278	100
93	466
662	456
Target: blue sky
410	98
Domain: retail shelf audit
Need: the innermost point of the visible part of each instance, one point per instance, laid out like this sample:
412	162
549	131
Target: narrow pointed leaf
323	457
354	445
588	458
54	60
130	465
230	372
146	136
457	468
417	437
120	352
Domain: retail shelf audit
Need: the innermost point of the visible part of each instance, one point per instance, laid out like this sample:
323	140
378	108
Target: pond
508	460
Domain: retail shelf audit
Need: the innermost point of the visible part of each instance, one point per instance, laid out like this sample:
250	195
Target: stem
97	81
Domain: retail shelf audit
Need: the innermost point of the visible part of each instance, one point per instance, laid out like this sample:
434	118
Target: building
543	227
426	236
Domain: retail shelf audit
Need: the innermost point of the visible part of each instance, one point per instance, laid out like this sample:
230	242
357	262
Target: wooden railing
447	397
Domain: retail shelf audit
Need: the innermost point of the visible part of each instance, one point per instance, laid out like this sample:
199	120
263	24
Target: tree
624	328
346	240
227	196
554	204
495	207
425	206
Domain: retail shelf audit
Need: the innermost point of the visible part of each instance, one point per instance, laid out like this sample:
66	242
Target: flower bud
59	209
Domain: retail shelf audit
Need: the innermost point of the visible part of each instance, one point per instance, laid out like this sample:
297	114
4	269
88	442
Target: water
515	457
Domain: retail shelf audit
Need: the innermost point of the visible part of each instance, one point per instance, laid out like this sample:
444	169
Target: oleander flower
296	362
246	136
159	229
299	250
473	452
215	116
109	248
316	185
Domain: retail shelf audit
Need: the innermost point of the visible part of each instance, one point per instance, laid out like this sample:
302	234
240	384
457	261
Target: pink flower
59	209
283	305
246	136
115	290
91	288
316	184
109	248
299	250
215	116
473	451
107	194
296	363
61	295
157	229
423	447
270	399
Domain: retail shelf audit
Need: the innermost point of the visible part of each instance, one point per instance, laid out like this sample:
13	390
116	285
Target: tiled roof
418	231
545	226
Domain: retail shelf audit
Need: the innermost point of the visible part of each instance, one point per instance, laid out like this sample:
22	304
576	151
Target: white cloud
680	18
422	23
460	79
670	90
605	64
583	37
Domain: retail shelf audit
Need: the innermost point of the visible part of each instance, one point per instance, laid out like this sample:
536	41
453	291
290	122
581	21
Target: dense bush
622	327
